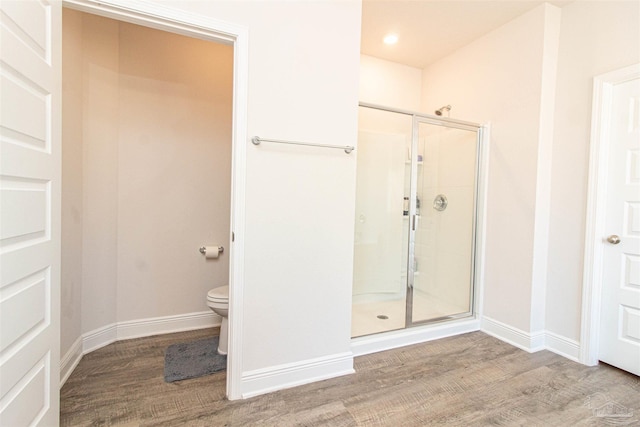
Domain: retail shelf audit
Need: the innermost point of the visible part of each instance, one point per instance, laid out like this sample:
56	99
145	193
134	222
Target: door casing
596	209
203	27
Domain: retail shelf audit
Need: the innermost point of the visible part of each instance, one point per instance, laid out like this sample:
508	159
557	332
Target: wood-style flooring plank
467	380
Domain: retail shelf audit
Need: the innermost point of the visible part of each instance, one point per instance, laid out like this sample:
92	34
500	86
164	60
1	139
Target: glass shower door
381	222
443	222
415	220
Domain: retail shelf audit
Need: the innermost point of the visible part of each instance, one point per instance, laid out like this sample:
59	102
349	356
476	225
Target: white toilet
218	301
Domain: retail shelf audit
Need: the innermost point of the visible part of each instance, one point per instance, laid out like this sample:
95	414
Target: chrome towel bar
256	140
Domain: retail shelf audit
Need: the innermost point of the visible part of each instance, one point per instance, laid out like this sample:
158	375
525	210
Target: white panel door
30	41
620	310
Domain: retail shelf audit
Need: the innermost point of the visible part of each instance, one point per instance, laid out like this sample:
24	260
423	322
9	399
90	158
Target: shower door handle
415	220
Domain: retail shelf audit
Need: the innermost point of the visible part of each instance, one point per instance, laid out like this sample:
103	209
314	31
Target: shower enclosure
415	219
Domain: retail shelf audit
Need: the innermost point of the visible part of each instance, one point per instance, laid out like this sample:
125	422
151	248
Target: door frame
594	243
204	27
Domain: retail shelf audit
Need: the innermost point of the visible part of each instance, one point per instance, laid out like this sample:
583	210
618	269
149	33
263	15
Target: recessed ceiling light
390	39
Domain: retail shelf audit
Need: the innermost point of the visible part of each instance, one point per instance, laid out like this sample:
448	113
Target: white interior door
30	205
619	342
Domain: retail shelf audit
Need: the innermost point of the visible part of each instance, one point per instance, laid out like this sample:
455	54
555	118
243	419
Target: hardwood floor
467	380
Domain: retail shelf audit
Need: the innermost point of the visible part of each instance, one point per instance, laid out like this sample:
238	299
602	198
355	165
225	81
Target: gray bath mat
192	360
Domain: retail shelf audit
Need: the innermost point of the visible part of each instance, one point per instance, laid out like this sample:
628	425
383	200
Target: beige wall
596	37
71	251
150	113
539	108
499	79
100	62
174	171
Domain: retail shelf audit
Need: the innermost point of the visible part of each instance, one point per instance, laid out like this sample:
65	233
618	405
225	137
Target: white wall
500	78
596	37
147	164
389	83
299	201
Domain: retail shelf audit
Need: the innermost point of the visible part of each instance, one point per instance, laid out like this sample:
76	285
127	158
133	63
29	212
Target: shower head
445	108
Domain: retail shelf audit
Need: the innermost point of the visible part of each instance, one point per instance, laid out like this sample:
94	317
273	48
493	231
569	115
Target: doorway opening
168	160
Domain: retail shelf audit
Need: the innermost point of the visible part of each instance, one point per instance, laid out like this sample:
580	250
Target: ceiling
431	29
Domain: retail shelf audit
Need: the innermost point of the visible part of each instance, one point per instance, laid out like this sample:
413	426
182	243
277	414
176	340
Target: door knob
613	239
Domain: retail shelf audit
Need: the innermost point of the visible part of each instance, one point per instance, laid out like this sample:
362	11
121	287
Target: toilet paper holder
203	249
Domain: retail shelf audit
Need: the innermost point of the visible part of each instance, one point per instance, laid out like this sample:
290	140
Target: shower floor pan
367	317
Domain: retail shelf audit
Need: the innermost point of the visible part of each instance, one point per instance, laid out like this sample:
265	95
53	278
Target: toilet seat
219	295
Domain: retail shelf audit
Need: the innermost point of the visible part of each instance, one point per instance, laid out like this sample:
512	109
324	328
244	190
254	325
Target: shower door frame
417	119
413	193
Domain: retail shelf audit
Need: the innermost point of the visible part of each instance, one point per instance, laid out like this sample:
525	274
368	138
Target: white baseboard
106	335
394	339
532	342
563	346
98	338
270	379
529	342
70	360
167	324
